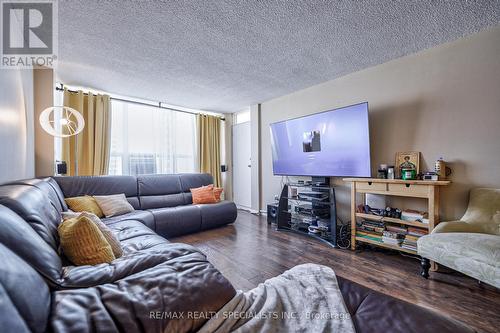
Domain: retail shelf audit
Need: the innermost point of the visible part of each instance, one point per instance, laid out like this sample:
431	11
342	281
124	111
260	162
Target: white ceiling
226	55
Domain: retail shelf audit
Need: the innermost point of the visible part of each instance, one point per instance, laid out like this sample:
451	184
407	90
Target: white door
242	174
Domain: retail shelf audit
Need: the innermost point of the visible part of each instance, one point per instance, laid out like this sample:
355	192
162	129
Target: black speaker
272	213
61	168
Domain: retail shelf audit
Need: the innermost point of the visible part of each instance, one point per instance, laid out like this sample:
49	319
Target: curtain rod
61	88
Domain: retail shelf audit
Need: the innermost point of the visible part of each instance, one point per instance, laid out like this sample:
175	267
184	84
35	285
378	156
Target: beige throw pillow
108	234
113	205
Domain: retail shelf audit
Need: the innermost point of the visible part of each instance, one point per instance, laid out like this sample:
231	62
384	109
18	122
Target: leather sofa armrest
460	226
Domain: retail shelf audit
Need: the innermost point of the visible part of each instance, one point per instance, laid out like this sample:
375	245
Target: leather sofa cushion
31	204
193	180
19	237
161	201
48	186
159	184
374	312
144	216
175	221
175	284
25	298
142	249
132	262
159	191
217	214
130	229
100	185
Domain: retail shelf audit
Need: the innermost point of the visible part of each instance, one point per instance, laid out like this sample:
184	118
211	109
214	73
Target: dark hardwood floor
250	251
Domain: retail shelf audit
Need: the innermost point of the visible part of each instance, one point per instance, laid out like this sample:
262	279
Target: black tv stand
319	181
314	207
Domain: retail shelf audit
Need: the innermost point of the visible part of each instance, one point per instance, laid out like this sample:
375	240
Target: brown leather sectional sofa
156	284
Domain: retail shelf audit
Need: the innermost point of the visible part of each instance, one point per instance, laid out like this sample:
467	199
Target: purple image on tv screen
330	143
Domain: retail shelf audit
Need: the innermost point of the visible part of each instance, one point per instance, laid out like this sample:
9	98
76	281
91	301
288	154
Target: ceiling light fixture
68	123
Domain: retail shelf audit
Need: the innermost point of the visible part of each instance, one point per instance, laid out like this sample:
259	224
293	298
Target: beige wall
444	101
43	82
16	124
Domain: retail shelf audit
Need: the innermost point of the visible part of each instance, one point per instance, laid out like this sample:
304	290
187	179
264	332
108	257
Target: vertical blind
148	140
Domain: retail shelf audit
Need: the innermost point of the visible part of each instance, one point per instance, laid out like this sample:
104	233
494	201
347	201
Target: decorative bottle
440	168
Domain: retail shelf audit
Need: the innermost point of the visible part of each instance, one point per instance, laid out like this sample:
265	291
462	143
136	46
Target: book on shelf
392	241
392	234
373	223
410	241
414	231
371	226
372	229
392	238
396	228
411	238
368	235
409	247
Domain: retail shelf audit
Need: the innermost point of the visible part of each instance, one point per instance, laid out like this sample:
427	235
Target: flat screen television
330	143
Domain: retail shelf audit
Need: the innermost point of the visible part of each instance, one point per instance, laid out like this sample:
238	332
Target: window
146	140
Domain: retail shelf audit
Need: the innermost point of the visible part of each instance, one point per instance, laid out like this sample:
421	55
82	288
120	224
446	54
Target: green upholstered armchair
470	245
482	215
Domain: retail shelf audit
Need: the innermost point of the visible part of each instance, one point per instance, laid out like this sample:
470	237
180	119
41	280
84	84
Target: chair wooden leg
425	266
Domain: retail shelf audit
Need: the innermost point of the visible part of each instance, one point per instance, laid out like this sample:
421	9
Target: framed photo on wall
407	160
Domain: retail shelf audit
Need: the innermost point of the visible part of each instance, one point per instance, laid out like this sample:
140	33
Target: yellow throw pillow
83	243
106	231
84	204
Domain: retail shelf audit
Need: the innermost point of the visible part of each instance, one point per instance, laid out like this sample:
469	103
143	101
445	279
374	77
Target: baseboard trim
250	210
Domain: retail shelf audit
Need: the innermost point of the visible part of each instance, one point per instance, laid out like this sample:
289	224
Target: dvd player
309	210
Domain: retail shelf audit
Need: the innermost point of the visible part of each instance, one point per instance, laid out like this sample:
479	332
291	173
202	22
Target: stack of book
392	238
372	230
410	241
399	229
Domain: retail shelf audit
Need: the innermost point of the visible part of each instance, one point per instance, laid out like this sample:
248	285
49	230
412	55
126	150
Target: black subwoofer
272	213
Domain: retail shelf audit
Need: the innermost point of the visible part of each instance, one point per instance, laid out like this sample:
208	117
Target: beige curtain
209	146
88	151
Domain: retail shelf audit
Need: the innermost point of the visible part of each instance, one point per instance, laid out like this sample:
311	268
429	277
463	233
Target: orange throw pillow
203	195
217	193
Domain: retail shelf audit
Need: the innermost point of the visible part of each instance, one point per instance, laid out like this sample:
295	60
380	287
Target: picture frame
407	159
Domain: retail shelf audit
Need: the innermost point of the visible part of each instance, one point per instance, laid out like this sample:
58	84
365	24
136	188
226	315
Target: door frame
247	208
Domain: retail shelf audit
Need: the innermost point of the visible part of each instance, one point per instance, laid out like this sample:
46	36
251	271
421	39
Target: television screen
330	143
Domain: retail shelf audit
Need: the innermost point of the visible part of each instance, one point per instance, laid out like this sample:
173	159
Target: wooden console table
395	187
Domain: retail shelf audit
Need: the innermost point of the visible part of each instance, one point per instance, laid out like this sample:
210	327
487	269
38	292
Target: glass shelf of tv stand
320	202
322	187
307	215
304	232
